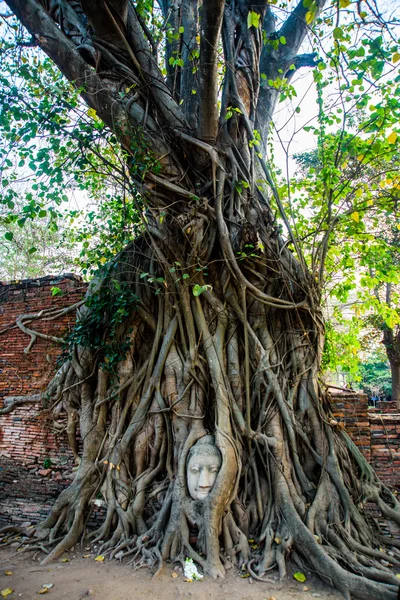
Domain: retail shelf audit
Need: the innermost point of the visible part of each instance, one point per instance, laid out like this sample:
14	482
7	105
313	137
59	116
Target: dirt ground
83	578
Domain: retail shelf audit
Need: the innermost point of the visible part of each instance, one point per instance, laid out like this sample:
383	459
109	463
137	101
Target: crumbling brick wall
352	409
376	431
20	373
385	447
35	459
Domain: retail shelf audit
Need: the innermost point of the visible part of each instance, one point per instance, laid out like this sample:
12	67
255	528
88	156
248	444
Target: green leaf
253	19
338	33
309	17
198	289
299	576
9	236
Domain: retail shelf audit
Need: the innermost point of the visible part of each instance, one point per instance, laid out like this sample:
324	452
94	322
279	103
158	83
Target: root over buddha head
203	463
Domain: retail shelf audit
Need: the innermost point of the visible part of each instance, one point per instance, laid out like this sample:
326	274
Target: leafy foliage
98	327
63	184
375	376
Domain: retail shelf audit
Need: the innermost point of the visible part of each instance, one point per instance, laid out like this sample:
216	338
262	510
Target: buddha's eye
214	469
194	470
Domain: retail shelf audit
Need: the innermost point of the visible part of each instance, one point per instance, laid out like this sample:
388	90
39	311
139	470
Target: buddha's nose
204	479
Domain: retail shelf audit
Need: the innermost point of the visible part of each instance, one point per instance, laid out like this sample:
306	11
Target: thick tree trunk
391	341
395	371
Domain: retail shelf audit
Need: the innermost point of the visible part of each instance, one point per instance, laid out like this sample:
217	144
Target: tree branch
65	55
273	59
12	402
121	114
211	23
152	76
99	18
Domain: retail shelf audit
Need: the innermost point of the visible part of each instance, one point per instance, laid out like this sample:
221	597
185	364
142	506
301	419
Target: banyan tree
207	425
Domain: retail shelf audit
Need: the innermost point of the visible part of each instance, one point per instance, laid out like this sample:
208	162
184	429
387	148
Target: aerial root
255	576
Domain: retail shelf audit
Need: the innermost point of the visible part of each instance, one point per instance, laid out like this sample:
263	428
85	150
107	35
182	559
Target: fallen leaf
305	588
8	573
48	586
87	555
188	580
245	575
65	559
99	558
43	591
398	575
277	540
299	576
174	575
6	592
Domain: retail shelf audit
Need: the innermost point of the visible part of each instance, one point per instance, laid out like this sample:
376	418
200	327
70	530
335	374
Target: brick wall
385	447
35	459
376	431
386	407
352	408
20	373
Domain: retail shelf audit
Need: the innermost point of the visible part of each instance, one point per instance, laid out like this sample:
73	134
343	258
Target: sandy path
82	579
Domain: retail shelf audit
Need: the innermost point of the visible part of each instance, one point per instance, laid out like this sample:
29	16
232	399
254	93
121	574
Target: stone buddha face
203	464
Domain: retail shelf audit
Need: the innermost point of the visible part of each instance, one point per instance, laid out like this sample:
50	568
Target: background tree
210	321
360	289
387	319
375	375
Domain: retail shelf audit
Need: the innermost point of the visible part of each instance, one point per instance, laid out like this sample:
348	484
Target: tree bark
395	371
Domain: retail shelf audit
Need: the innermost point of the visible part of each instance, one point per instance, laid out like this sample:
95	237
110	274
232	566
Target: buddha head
203	464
